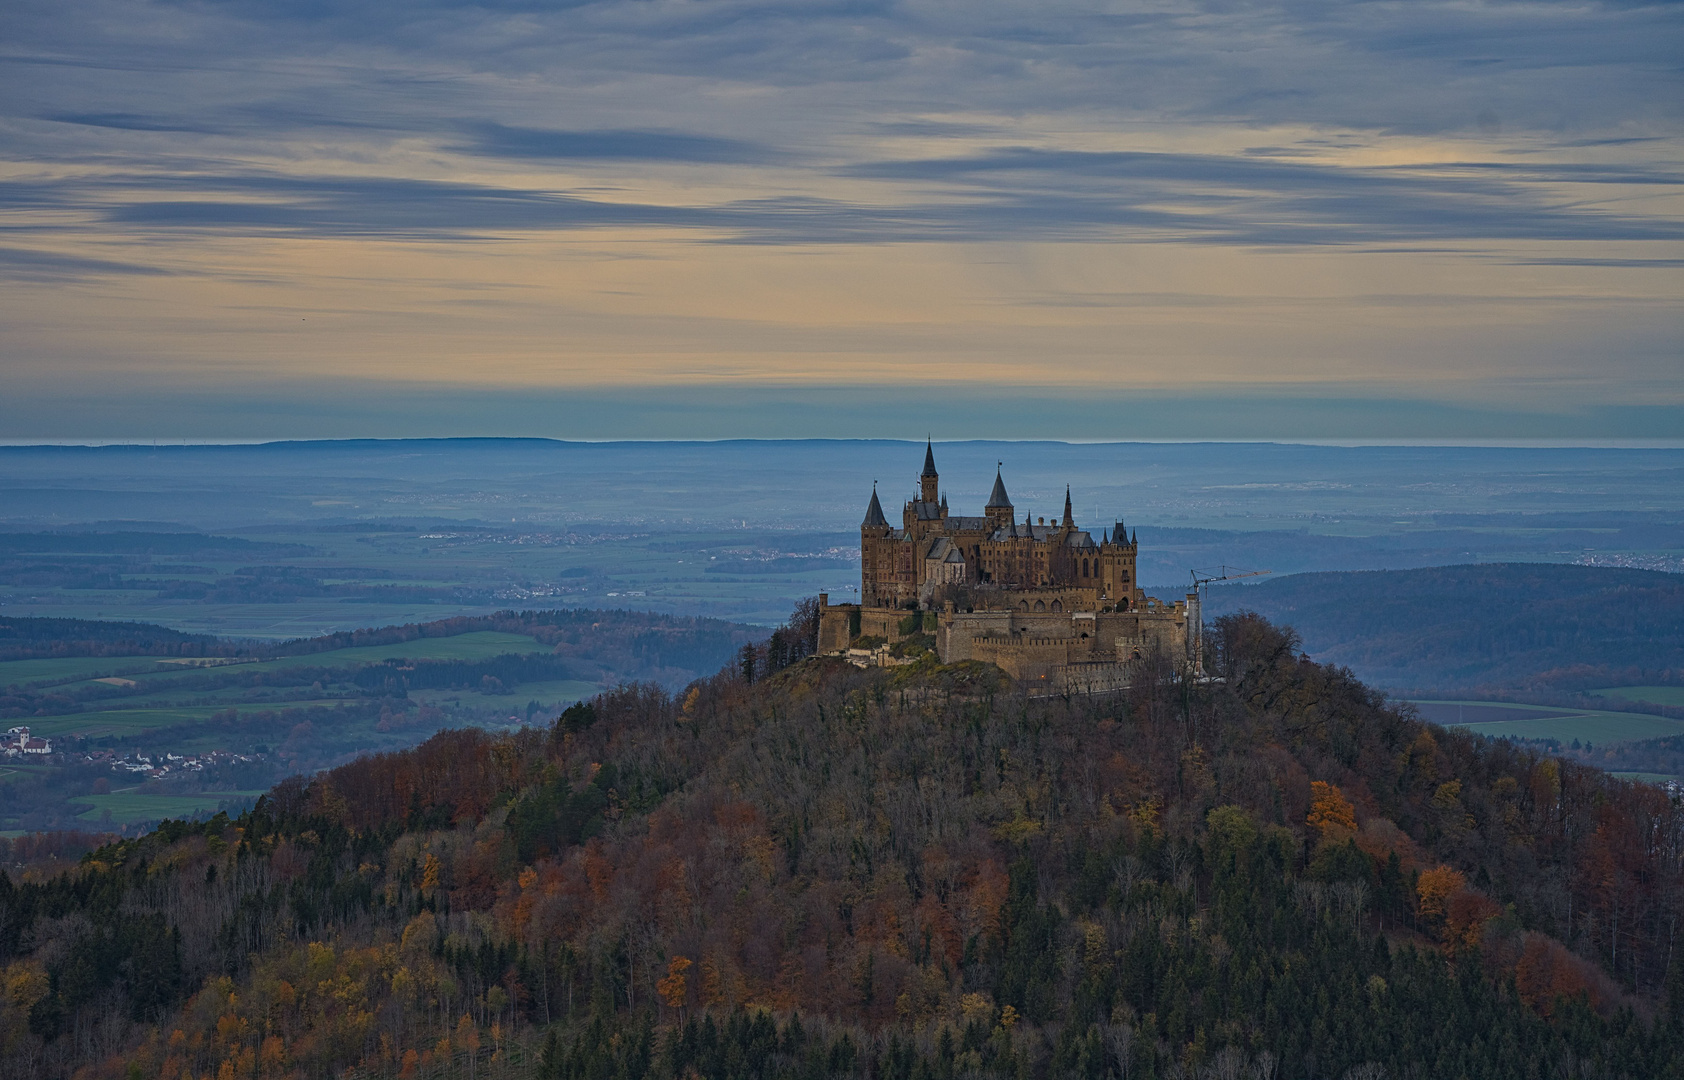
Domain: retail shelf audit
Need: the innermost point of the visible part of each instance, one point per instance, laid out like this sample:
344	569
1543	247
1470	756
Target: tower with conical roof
875	524
929	482
999	508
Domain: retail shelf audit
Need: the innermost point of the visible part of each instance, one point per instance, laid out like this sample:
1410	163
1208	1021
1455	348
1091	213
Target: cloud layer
1480	205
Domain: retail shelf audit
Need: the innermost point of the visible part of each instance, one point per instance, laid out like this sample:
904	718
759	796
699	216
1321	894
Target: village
18	742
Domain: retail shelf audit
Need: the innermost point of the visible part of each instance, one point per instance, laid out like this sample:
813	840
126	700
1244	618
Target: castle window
1058	605
1041	606
1084	568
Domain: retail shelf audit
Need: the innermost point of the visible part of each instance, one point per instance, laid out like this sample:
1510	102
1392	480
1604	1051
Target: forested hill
903	874
1488	626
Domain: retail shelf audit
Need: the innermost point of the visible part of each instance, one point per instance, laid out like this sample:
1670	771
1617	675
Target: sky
1289	219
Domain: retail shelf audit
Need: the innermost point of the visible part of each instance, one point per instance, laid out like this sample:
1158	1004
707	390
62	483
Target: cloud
23	264
125	122
1008	194
497	140
1106	175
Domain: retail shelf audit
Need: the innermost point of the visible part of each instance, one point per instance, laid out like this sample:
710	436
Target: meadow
1650	695
1535	722
25	672
133	807
477	645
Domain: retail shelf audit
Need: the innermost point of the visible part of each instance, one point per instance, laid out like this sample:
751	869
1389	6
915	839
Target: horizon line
1465	444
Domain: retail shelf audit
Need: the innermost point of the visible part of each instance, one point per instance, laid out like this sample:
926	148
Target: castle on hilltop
1045	602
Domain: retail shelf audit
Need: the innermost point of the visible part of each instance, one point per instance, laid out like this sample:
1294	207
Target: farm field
1646	777
478	645
559	692
1653	695
127	723
23	672
134	808
1536	722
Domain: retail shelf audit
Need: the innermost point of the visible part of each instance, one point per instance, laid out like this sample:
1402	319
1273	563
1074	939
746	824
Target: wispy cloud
825	174
498	140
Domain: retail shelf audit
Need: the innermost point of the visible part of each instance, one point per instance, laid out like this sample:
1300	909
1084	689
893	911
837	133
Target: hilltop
901	873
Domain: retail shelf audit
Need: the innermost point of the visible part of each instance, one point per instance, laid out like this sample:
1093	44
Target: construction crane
1204	577
1196	603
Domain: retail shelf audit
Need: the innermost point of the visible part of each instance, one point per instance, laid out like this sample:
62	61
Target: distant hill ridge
30	638
1485	626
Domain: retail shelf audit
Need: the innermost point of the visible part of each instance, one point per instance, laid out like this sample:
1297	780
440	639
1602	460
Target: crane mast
1196	600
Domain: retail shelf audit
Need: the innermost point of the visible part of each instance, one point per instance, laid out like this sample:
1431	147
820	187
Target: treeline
397	677
1663	756
138	543
602	645
916	873
1491	627
40	639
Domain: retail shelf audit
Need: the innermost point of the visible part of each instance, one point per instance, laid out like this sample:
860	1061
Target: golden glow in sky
255	219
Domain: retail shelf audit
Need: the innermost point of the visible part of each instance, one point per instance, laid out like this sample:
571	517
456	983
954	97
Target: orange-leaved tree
672	988
1435	888
1330	812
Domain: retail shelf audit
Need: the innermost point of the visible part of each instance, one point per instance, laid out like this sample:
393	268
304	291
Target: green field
1589	725
131	722
1646	777
555	692
479	645
1653	695
18	672
131	808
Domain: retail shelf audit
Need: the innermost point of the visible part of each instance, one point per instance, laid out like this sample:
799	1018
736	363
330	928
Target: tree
672	988
1330	812
1435	888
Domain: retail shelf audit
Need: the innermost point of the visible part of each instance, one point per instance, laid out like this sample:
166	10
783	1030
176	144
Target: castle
1045	602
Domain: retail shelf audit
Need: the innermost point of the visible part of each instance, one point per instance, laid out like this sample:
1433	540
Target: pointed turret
929	483
999	500
1069	521
999	508
874	518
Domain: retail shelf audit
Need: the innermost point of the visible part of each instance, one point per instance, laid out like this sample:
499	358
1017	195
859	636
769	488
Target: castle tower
875	524
1069	521
999	508
877	555
928	481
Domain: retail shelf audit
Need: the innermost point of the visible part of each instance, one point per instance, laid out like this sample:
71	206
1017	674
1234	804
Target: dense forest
797	868
44	639
1534	628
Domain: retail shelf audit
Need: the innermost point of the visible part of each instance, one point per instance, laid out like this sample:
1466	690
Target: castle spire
999	499
874	518
929	483
1069	521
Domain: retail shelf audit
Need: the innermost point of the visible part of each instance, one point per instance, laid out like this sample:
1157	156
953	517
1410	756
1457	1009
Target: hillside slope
911	874
1484	626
